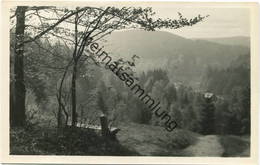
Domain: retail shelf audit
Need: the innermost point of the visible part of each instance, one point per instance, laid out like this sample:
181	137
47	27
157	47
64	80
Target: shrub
69	141
234	146
181	139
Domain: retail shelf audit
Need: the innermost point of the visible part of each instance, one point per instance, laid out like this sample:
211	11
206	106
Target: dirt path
206	146
155	141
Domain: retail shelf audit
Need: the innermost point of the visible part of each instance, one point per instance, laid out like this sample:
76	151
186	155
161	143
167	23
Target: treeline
99	91
63	27
202	112
223	81
232	85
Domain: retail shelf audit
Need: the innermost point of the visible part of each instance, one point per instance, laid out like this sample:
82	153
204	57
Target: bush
234	146
181	139
69	141
23	142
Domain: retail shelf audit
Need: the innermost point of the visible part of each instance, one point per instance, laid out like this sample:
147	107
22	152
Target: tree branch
54	25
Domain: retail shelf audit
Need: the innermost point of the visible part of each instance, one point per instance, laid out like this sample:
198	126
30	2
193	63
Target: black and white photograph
130	79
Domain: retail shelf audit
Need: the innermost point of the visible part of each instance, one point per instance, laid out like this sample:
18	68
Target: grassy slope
154	140
133	140
208	145
235	146
47	141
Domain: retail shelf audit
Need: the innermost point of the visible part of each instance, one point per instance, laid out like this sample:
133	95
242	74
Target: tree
99	22
239	112
246	115
95	22
171	94
222	117
17	110
101	101
207	115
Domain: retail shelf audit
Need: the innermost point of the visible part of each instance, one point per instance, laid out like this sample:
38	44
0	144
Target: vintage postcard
129	82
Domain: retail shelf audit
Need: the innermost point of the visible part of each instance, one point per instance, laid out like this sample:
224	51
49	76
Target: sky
222	22
225	20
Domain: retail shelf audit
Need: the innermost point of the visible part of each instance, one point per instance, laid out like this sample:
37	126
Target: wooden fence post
104	126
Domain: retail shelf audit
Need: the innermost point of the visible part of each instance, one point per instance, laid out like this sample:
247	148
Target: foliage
182	139
233	106
71	141
236	75
57	66
207	117
234	146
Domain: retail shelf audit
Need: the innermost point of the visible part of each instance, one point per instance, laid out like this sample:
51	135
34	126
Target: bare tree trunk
74	78
59	98
73	95
17	111
59	119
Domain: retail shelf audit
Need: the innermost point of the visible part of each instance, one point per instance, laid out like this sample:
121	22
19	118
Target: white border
6	158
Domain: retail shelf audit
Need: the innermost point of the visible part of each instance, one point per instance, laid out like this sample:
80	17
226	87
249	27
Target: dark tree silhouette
207	120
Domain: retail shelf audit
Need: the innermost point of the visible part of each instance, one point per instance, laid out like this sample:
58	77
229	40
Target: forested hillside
184	59
63	101
235	41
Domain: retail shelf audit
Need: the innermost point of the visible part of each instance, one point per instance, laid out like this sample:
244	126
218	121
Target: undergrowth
35	140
